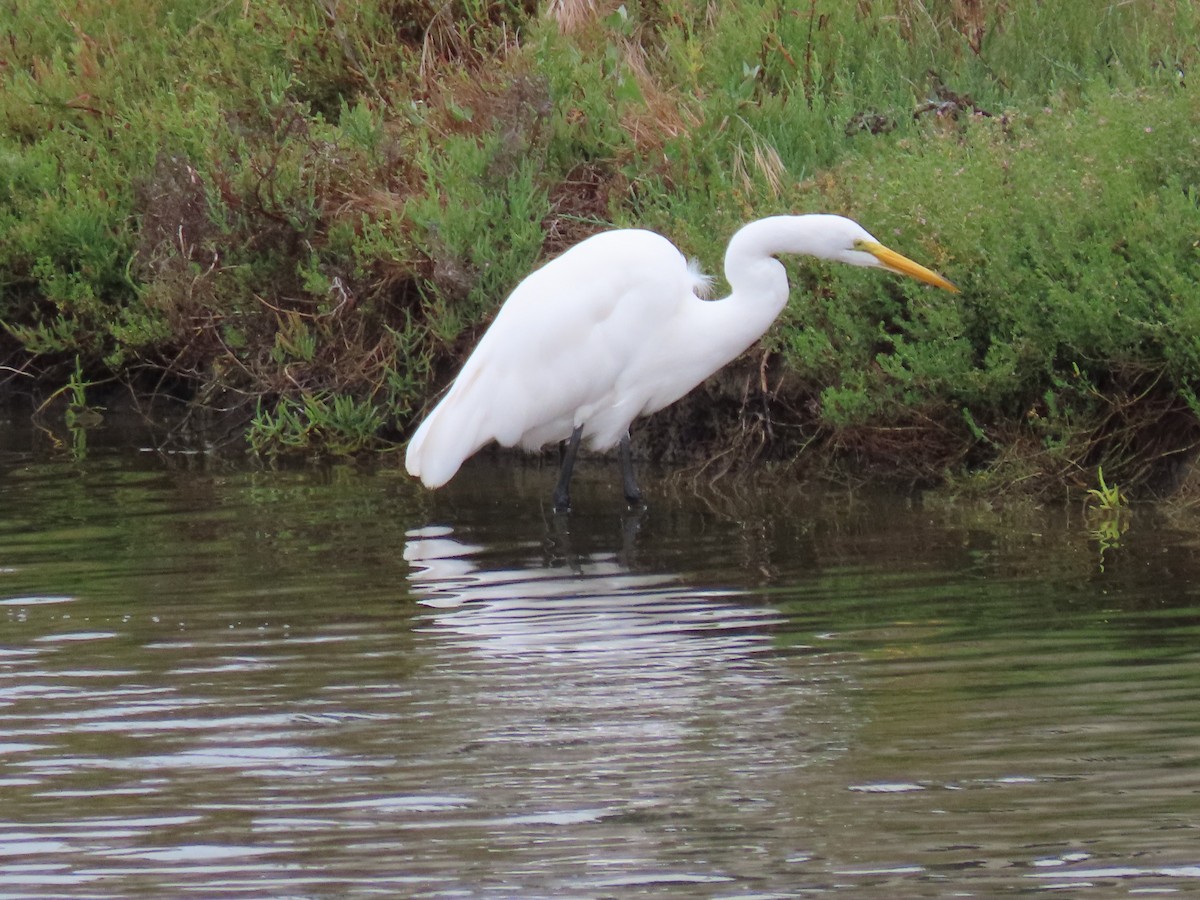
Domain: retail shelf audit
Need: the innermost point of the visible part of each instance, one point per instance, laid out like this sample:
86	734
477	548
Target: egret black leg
633	493
631	524
562	490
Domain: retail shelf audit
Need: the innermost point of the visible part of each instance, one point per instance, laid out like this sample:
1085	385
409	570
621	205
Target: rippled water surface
221	681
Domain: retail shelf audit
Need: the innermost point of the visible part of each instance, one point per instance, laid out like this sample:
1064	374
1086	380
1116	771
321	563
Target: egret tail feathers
447	437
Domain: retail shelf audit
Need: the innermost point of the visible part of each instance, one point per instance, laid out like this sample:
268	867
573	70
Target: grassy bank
305	212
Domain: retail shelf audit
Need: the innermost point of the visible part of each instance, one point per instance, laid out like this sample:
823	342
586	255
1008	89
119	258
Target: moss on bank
305	212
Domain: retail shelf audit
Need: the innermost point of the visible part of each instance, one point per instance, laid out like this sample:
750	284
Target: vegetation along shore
299	216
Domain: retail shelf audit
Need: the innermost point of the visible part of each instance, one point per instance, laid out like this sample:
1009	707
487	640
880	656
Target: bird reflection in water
550	597
612	713
618	715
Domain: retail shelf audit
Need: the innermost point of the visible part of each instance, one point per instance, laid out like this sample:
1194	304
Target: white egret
616	328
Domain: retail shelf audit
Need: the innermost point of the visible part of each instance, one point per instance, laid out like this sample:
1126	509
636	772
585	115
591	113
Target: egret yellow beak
894	262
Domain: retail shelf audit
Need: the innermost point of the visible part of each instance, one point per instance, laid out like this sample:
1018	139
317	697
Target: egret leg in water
633	493
568	450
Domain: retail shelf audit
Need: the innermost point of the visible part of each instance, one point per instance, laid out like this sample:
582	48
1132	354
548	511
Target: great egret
616	328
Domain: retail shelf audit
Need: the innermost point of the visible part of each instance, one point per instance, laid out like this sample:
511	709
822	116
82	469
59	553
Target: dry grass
664	115
973	19
760	164
572	15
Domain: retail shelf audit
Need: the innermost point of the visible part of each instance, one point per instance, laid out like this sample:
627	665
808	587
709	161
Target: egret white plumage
615	328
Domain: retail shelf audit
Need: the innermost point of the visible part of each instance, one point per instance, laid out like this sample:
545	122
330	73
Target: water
223	682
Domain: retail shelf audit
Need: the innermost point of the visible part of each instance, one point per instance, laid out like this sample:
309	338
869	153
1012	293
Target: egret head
854	245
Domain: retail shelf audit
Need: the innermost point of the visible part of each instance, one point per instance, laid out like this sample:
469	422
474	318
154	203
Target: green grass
289	206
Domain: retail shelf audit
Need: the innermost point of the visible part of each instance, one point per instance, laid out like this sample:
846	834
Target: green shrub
316	424
1072	233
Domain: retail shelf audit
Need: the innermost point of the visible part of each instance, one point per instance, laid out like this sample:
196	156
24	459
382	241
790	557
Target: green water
220	681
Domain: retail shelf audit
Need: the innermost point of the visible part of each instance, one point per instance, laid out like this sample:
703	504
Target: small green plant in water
1108	515
1107	497
80	414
